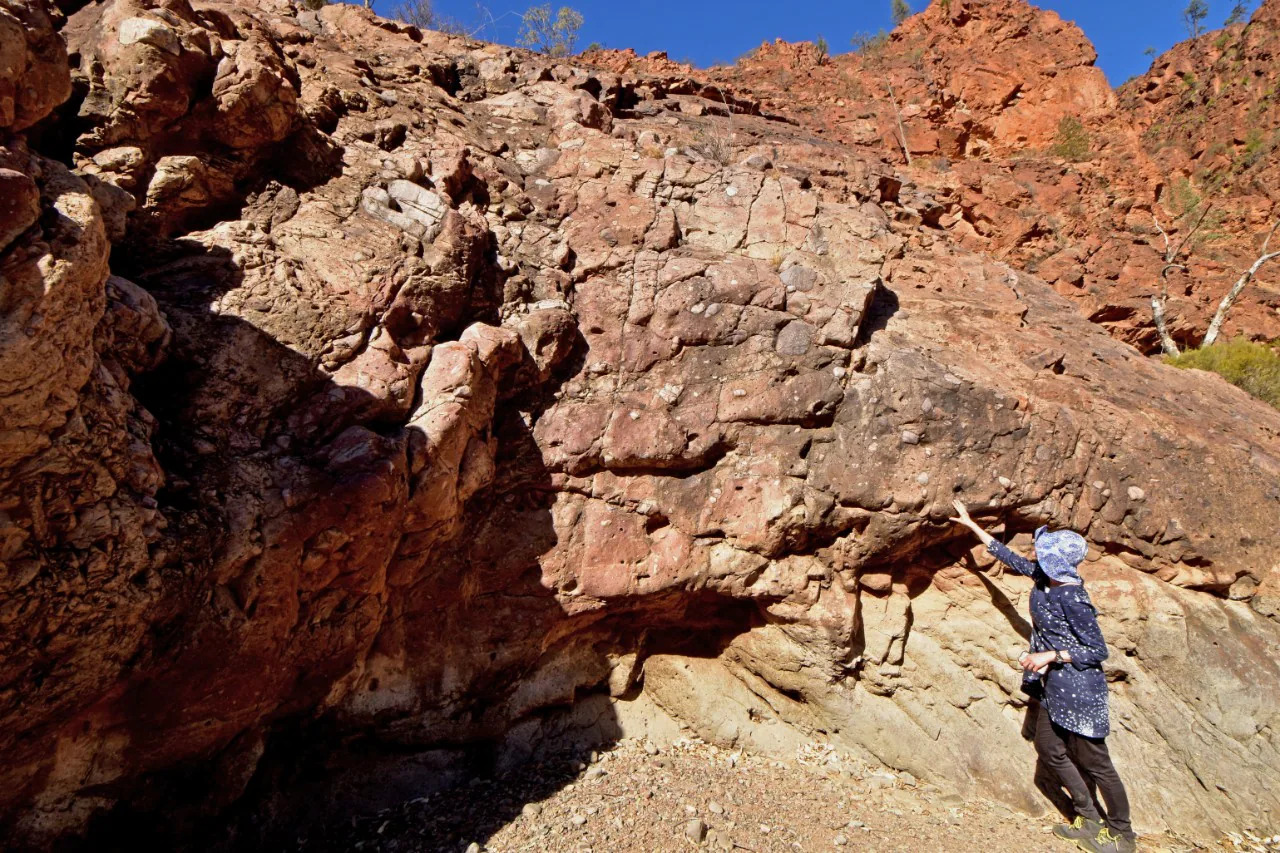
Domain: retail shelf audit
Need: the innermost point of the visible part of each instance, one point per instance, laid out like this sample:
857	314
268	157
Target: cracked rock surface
381	393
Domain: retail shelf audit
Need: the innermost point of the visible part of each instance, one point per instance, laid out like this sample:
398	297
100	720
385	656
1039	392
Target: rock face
1205	114
433	387
982	138
1013	99
34	77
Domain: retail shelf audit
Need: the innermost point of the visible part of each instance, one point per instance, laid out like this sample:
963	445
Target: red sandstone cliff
980	87
378	382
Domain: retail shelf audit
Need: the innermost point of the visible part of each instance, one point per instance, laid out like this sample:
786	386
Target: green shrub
1186	203
1253	367
1255	146
900	11
1071	142
1181	197
715	144
552	34
823	48
864	42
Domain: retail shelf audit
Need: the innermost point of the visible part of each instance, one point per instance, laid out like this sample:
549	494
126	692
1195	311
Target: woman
1063	670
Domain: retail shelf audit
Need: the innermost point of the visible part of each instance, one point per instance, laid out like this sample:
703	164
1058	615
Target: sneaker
1107	841
1079	828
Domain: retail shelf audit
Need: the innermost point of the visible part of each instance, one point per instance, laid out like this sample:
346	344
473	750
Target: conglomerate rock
439	386
34	77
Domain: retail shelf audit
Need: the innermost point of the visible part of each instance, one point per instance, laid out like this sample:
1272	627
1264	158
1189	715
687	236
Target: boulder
34	77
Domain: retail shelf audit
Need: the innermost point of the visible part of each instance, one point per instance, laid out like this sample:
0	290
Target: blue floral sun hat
1059	552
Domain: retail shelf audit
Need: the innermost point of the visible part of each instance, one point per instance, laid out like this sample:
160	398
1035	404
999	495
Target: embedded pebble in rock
799	278
148	31
794	338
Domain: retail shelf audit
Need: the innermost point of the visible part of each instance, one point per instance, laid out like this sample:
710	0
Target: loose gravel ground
638	796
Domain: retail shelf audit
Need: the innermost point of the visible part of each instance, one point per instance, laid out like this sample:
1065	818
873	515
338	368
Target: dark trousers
1081	765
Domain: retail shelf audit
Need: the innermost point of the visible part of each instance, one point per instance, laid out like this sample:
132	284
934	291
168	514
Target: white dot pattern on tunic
1063	618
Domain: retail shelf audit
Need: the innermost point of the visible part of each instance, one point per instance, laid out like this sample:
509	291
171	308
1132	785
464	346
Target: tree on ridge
901	11
552	35
1193	16
418	13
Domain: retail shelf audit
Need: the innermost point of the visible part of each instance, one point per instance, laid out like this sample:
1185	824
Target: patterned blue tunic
1063	618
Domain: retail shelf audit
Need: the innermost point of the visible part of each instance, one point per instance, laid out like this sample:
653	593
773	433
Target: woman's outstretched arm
1018	563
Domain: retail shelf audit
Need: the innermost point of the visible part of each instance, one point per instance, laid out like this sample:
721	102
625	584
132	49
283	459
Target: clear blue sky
708	31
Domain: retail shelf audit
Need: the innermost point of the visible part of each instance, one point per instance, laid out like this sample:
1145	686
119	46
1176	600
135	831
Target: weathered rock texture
982	135
434	386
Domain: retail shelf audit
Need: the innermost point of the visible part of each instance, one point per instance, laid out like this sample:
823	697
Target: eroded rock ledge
431	386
